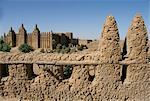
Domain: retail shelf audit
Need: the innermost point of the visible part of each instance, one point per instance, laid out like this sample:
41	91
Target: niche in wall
4	70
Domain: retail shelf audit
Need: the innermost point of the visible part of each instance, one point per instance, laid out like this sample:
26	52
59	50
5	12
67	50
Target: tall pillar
107	75
137	40
109	48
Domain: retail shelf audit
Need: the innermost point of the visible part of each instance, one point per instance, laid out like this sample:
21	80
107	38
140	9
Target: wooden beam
67	62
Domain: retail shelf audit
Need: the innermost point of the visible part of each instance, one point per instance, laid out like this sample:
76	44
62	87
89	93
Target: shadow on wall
124	73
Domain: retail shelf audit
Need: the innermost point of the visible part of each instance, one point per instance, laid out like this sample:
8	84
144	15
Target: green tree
59	46
1	41
25	48
4	47
54	43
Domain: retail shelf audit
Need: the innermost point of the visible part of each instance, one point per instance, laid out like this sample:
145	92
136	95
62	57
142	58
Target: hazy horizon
84	18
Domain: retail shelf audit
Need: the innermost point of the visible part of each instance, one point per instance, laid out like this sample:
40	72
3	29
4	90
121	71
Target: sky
85	18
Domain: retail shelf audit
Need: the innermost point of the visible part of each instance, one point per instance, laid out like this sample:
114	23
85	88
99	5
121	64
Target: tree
25	48
54	43
1	41
4	47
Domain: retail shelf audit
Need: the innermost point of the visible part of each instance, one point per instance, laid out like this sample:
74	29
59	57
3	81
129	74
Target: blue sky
84	18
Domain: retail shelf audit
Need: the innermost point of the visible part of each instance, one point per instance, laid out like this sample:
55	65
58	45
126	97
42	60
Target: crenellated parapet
109	48
137	40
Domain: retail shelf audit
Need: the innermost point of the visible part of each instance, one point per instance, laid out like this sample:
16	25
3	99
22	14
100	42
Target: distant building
37	39
84	41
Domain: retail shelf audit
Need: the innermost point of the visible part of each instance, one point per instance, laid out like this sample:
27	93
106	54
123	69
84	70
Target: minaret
22	35
36	37
11	37
137	40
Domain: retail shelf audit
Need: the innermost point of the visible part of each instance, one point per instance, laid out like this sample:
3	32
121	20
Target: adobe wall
107	84
106	74
0	71
29	39
45	40
17	39
69	36
63	38
84	41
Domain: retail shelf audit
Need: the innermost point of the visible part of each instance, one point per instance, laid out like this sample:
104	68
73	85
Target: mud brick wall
29	39
104	84
56	71
21	71
0	71
108	81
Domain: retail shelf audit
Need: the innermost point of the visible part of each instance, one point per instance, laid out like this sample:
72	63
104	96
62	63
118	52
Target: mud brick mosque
37	39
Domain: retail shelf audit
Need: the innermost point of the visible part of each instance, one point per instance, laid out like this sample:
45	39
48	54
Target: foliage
1	46
4	47
65	49
25	48
67	71
1	41
73	50
61	49
59	46
54	43
81	47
